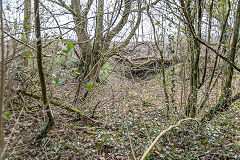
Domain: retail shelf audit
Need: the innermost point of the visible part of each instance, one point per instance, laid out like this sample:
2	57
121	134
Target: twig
94	109
19	41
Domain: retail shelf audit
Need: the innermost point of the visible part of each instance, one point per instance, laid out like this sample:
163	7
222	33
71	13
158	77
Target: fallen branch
68	108
163	133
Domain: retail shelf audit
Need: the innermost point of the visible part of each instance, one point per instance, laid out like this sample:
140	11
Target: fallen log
141	66
83	117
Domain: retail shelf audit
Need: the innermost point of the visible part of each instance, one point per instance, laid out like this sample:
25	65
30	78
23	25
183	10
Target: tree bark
26	26
27	19
191	108
162	64
2	86
208	90
40	72
226	98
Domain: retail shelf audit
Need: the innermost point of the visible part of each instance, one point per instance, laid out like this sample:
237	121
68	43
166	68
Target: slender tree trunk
26	26
14	42
207	49
191	108
222	39
27	19
226	98
40	72
162	63
97	53
2	86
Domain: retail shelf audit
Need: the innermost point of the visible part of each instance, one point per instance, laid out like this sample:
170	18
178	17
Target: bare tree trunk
40	72
207	49
14	43
162	64
92	55
27	19
195	57
226	98
208	89
191	108
26	26
95	55
2	86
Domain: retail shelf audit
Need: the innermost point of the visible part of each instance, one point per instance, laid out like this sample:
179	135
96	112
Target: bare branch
163	133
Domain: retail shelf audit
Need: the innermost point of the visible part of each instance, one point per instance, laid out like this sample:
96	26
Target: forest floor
132	114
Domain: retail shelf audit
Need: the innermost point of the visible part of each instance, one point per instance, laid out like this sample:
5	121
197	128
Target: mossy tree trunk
195	49
222	41
27	19
226	98
26	26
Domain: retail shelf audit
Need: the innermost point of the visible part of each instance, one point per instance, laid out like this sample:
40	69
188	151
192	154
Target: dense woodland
120	79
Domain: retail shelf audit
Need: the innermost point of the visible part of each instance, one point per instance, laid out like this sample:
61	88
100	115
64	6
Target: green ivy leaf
29	27
65	51
88	86
29	53
8	116
22	37
57	81
70	46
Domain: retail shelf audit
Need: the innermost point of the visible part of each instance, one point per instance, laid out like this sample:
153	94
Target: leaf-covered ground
132	113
